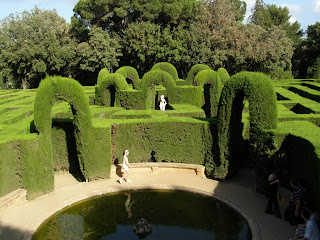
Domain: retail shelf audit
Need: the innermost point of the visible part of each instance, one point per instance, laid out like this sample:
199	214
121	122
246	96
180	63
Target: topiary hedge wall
132	74
210	81
194	70
50	90
104	96
180	140
167	67
259	92
224	75
20	162
156	77
104	72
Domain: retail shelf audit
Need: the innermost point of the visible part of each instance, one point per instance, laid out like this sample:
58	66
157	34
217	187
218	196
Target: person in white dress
125	166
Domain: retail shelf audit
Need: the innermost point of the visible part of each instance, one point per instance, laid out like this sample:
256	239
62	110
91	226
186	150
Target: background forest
140	33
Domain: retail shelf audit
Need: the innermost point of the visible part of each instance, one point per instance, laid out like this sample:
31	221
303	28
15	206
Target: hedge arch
258	90
224	75
132	74
104	72
103	91
49	91
167	67
156	77
194	70
210	81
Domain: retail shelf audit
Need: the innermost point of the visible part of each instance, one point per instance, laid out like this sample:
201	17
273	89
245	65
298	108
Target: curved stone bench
163	166
15	197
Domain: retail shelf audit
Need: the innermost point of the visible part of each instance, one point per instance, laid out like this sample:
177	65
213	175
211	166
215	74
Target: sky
306	12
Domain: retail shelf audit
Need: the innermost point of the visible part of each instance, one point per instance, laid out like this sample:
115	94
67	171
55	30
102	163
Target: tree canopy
33	44
268	15
140	33
114	15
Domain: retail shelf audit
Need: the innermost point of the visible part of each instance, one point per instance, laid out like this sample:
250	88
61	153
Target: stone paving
18	222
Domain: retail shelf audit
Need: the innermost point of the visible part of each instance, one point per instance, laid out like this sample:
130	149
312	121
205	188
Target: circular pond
165	215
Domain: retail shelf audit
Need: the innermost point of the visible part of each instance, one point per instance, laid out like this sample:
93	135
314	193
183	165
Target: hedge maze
211	118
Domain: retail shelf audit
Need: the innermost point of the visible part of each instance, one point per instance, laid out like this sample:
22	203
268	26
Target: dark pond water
171	214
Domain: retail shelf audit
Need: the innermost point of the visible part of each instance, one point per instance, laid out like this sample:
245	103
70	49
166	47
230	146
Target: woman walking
125	166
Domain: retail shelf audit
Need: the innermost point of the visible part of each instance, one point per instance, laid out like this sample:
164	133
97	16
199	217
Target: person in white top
125	166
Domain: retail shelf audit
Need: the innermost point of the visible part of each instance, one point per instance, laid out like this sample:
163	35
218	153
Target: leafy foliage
307	52
33	44
100	51
115	16
268	15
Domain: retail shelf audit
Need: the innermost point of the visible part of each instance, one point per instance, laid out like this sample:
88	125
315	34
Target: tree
100	51
237	46
268	15
34	44
307	53
114	15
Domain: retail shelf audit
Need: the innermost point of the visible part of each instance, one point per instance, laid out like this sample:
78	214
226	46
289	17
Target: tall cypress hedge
194	70
104	72
224	75
258	90
50	90
167	67
132	74
212	79
156	77
102	90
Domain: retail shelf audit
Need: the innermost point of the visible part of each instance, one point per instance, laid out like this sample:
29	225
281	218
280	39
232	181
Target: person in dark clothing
272	196
297	204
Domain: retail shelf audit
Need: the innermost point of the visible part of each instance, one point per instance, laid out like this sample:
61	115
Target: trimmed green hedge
103	95
102	75
152	78
180	141
132	74
167	67
212	94
258	90
131	99
194	70
224	75
190	95
50	90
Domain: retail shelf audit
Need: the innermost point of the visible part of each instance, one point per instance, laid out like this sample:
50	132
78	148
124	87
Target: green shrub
2	84
104	72
280	73
167	67
50	90
314	70
131	99
103	94
181	141
258	90
194	70
150	79
132	74
224	75
209	78
190	95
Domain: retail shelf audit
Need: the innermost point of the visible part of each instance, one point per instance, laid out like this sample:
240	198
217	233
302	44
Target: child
125	166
